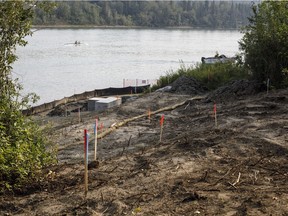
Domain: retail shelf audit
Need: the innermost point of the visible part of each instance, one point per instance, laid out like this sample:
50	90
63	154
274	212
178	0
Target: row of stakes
86	142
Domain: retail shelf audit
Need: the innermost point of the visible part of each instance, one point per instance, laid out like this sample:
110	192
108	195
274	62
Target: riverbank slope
237	167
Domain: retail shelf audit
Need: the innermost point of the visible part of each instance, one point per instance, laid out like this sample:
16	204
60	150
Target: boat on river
217	59
76	43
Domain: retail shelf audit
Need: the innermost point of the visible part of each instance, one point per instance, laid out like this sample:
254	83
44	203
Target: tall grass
210	75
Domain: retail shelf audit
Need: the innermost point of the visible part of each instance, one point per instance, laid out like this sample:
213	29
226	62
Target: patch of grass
210	75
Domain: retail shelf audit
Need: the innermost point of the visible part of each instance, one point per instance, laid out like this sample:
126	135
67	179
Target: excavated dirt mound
236	89
238	167
187	85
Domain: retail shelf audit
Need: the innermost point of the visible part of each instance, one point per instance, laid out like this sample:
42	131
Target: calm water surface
52	67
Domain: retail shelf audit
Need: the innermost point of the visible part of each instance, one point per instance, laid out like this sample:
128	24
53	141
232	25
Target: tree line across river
194	14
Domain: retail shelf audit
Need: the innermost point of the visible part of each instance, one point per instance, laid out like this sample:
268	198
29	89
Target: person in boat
77	42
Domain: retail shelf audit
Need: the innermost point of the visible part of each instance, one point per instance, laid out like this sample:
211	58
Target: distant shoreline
125	27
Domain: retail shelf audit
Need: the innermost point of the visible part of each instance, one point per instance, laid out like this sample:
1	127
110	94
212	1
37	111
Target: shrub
265	45
210	75
24	150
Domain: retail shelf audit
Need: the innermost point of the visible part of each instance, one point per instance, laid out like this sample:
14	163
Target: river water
53	67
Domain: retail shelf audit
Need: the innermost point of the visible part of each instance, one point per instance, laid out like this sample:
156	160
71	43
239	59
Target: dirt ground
239	167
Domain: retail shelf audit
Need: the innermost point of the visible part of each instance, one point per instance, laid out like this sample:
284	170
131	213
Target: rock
164	89
93	165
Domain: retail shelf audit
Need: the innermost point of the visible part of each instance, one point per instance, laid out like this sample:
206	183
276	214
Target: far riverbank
128	27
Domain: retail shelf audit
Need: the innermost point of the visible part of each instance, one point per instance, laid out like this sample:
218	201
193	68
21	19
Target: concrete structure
103	103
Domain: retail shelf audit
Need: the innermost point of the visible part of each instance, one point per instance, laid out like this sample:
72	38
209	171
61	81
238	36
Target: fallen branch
227	172
127	145
236	182
187	106
238	179
112	169
139	195
232	185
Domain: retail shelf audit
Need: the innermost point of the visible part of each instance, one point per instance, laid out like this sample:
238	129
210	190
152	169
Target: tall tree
147	13
265	44
22	146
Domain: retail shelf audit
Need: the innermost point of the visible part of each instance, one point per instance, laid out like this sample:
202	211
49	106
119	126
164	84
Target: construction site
223	152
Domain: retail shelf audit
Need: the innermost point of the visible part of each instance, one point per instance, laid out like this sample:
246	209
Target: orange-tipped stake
101	127
215	114
161	127
149	115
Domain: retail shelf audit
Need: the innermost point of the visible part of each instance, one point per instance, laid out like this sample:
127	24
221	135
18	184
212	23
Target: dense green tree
265	44
22	145
207	14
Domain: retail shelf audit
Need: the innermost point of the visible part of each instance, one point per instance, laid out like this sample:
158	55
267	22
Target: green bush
24	149
265	45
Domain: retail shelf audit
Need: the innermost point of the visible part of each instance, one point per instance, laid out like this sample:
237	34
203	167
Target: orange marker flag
101	127
162	120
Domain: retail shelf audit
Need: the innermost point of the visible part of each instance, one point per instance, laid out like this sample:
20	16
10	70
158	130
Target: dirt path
238	168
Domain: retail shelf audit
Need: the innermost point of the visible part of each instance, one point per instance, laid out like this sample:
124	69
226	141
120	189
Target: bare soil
239	167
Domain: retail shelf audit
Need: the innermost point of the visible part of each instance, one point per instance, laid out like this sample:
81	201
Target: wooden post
79	115
215	115
149	115
95	137
161	127
268	83
65	107
86	160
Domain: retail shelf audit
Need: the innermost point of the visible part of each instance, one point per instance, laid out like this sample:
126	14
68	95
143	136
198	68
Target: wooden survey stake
79	114
215	114
86	160
149	115
161	127
95	137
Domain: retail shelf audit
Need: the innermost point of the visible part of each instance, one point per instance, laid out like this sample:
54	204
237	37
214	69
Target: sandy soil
237	168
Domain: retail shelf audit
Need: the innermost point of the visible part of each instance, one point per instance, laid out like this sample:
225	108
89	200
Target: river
53	67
